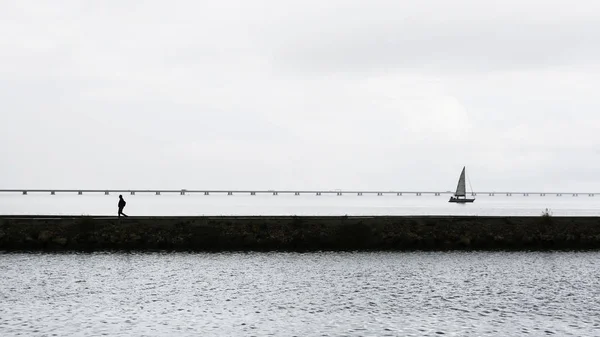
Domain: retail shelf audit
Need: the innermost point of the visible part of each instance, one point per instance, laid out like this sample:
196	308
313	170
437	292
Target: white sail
461	189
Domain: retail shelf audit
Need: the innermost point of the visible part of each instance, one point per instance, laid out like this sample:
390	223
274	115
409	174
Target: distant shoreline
298	233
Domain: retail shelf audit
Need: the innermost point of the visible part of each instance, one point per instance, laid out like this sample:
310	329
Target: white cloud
337	94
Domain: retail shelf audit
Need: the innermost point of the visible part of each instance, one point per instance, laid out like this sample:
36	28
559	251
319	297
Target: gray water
153	205
290	294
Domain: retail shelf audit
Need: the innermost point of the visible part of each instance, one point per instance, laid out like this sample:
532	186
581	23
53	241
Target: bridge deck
277	192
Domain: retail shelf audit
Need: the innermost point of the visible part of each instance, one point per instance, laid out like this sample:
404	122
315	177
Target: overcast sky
278	94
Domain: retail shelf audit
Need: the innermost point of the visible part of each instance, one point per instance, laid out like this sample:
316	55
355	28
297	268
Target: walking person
122	204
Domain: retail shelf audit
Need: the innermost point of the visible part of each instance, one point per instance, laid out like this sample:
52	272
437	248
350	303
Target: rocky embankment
301	233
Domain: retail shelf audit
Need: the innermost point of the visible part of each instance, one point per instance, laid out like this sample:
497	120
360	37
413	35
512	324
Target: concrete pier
298	233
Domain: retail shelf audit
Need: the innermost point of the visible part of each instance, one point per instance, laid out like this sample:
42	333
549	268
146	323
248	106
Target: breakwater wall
298	233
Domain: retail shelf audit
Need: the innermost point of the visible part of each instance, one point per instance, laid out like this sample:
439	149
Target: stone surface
305	233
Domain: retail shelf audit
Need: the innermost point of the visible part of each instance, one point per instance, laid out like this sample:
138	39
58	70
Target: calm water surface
290	294
145	204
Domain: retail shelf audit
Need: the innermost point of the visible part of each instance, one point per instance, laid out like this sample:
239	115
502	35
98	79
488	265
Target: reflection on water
287	294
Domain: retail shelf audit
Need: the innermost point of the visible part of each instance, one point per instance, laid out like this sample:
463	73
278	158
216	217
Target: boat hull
460	200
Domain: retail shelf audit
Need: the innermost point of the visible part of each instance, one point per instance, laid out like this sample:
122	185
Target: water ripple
290	294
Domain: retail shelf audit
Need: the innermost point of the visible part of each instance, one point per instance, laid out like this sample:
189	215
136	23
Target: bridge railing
277	192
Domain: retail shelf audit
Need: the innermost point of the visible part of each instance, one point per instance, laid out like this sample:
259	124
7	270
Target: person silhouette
122	204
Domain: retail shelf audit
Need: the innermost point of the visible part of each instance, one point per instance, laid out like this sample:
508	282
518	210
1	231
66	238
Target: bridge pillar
275	193
24	192
318	193
229	193
79	192
52	193
399	194
297	193
252	193
132	193
542	194
575	194
558	194
525	194
106	193
379	194
591	195
359	194
339	193
206	193
157	193
418	194
182	192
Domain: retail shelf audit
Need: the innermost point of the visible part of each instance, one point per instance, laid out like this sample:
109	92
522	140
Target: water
288	294
319	294
70	204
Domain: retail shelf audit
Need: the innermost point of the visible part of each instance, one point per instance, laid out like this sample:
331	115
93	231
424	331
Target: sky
279	94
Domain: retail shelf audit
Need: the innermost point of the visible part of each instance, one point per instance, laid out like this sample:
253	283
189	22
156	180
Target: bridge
278	192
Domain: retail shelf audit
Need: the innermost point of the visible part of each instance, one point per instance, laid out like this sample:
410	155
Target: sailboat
461	191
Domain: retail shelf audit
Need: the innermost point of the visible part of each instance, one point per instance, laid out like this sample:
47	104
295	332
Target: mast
461	190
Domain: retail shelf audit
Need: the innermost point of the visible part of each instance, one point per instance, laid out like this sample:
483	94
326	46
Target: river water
291	294
153	205
287	294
